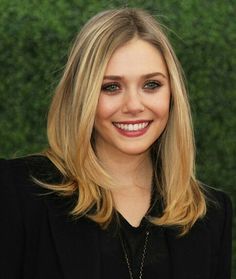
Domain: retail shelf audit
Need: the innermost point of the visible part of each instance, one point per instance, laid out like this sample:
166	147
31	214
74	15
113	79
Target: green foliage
36	35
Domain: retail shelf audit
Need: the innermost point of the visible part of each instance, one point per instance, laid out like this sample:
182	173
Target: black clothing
157	260
39	240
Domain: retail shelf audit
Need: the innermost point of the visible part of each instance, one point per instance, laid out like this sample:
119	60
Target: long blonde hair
71	120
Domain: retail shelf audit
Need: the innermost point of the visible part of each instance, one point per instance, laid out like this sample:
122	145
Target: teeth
131	127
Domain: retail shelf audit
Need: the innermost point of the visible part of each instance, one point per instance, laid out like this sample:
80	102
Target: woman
115	196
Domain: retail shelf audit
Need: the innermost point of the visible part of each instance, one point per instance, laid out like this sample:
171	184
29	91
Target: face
133	106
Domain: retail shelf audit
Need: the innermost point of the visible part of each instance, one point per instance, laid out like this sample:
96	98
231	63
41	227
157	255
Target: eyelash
107	87
156	84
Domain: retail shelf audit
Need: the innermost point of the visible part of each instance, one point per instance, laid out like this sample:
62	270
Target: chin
135	151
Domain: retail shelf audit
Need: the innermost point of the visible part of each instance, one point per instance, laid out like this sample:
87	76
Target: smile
129	127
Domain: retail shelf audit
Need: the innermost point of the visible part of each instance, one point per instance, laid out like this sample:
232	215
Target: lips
134	128
131	127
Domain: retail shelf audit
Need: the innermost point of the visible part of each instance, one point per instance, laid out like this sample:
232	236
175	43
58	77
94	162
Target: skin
136	91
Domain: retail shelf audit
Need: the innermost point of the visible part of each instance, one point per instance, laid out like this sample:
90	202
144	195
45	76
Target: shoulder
23	167
18	189
217	200
218	218
218	225
21	172
24	201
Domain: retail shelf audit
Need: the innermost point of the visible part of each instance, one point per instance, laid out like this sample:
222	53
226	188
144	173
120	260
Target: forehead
136	57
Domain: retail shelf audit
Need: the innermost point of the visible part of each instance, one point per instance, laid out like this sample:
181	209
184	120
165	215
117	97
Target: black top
39	239
156	260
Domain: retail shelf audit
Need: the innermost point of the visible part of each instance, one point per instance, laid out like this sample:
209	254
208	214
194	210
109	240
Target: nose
132	103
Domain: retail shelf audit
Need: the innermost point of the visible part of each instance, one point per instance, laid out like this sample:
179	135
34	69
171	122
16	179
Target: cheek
161	107
106	108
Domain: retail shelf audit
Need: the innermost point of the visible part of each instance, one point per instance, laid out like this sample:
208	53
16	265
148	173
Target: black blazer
39	240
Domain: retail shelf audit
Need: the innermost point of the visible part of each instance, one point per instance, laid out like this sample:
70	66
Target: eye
110	87
152	85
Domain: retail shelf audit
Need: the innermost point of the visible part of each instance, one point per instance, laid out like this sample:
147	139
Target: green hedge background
34	40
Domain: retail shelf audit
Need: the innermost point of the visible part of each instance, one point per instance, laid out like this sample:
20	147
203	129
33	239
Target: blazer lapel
191	254
77	246
76	243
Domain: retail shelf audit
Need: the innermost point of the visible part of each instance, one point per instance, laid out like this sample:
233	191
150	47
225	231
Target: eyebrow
113	77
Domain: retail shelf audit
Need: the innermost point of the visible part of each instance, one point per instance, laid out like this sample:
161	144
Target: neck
132	171
133	176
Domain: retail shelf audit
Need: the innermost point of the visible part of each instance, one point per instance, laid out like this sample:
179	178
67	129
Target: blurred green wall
34	41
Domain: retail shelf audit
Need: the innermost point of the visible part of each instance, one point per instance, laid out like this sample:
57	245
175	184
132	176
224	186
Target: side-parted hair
71	123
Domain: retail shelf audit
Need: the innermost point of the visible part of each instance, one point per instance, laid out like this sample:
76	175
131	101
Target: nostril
133	109
133	105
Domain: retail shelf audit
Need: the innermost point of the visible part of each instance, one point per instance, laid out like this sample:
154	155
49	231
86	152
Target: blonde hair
71	120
